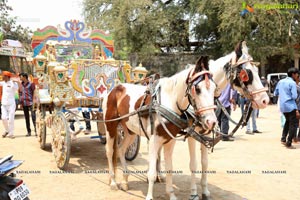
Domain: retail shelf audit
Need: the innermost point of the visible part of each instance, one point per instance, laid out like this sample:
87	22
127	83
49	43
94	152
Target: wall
166	64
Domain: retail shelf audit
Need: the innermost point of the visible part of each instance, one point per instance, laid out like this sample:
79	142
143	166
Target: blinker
201	78
244	75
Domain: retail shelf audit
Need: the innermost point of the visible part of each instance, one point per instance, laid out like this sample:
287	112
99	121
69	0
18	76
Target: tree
267	31
9	28
147	27
140	26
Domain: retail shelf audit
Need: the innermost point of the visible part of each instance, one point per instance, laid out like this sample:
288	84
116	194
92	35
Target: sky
41	13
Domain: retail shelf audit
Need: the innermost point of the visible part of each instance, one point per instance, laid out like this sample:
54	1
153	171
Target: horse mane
238	50
171	81
221	62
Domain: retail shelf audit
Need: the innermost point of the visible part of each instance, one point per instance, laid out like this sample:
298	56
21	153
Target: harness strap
142	126
259	91
166	129
224	111
172	117
244	118
201	110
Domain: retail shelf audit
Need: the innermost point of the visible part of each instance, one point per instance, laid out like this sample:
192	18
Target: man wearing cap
8	107
286	89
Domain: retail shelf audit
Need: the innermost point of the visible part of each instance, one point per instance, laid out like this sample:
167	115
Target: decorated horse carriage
74	70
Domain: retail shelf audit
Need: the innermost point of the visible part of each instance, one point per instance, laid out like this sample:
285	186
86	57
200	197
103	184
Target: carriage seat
44	96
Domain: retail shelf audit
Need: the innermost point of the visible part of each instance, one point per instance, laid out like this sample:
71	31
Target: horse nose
265	101
210	123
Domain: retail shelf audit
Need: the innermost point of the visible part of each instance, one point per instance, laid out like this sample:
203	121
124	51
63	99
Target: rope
103	121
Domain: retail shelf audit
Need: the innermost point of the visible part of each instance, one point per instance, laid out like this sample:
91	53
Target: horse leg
204	163
128	140
155	144
159	178
109	154
168	153
193	168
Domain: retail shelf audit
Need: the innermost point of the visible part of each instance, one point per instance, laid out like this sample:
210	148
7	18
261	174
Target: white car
273	79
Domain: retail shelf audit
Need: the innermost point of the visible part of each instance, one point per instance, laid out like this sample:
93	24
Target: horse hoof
159	179
173	198
194	197
124	186
149	198
114	187
205	197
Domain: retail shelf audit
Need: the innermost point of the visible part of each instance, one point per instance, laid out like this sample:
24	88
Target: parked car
273	79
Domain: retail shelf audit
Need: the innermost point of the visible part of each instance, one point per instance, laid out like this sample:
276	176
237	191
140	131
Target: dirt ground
258	155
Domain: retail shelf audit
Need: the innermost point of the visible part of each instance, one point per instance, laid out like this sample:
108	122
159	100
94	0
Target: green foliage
266	31
144	26
139	25
9	28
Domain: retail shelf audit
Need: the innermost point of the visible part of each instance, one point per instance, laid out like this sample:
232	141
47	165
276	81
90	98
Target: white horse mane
174	78
220	62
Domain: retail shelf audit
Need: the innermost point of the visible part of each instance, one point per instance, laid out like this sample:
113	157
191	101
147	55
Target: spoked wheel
41	126
133	149
61	140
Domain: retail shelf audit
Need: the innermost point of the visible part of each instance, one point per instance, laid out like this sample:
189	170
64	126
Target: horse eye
198	90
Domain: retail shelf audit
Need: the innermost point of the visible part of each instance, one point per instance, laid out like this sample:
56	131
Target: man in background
286	89
26	93
8	107
227	98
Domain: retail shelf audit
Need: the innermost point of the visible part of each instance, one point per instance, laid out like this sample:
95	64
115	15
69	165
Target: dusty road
258	155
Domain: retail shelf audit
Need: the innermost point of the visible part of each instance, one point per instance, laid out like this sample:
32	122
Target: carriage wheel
41	126
61	140
133	149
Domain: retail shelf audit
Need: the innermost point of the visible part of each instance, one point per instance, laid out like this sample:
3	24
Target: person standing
287	91
253	116
227	97
297	136
8	107
26	93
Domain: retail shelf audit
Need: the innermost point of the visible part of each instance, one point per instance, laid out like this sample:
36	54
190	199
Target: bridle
192	81
240	72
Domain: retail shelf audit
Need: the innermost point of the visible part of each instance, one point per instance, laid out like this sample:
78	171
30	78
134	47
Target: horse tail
112	112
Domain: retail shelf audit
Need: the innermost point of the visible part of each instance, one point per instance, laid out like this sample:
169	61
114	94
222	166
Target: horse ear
244	48
202	64
238	50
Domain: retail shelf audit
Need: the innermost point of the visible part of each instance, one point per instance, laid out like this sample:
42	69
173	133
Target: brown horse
168	99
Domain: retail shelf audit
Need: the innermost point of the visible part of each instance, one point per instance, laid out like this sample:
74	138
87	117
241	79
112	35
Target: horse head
245	78
200	92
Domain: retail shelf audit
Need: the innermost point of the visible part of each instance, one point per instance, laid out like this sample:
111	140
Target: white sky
40	13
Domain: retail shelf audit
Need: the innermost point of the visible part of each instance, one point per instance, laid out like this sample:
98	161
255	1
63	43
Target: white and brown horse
192	86
238	69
